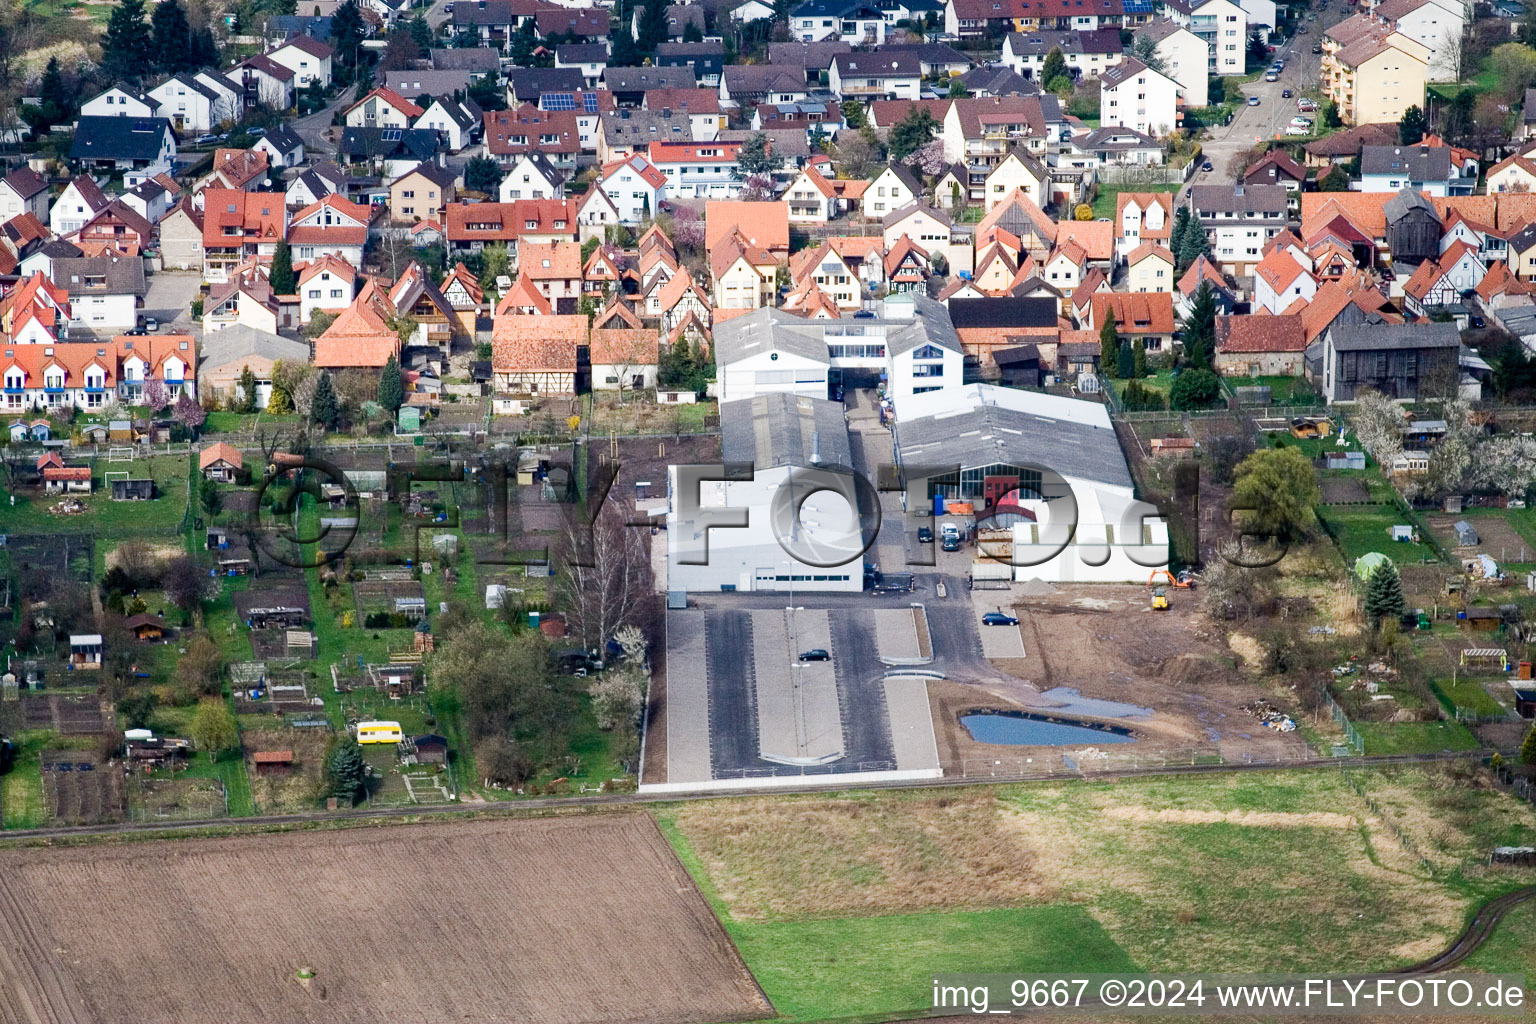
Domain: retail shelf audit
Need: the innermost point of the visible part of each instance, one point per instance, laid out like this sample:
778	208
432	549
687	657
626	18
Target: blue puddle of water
1074	703
1022	729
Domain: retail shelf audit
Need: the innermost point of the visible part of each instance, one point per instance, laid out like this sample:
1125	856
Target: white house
1439	24
191	106
327	284
1186	59
454	119
894	188
1132	95
1424	169
532	177
332	227
104	291
698	170
875	76
231	105
383	108
308	58
1224	27
268	81
81	200
119	101
852	22
23	191
284	147
634	186
1279	280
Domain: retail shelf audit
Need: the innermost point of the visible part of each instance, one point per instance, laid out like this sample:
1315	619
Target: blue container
938	504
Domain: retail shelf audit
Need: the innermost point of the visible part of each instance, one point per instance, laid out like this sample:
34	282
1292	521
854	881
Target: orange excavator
1165	578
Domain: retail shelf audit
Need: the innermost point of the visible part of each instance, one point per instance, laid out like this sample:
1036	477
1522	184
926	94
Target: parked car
924	535
151	324
1302	30
1272	76
951	543
815	654
1206	166
1301	122
1478	322
137	332
998	619
1253	101
203	140
1317	47
1292	129
1305	105
1285	94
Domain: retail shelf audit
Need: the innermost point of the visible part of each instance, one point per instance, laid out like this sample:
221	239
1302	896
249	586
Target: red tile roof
253	216
524	344
1242	334
1135	312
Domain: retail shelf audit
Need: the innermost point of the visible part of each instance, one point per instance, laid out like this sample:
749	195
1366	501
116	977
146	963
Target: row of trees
167	43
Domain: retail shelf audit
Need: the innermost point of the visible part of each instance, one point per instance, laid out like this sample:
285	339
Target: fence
1403	839
1350	732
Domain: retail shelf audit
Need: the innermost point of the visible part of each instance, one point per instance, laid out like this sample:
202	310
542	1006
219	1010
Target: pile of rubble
1271	716
68	507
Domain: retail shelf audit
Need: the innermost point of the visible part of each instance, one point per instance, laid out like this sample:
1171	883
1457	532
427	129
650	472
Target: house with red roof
537	354
1257	345
509	134
95	375
332	227
327	284
1437	284
634	186
382	108
36	311
1280	280
1144	315
244	169
472	226
239	226
361	336
221	462
697	170
463	292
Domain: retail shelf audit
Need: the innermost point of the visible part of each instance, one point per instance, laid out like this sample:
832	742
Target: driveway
170	297
1252	125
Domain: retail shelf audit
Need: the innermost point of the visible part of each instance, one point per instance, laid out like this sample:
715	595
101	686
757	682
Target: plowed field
528	921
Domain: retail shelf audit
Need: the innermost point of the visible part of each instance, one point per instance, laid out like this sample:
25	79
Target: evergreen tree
247	390
753	157
912	133
626	52
1180	231
1199	328
325	411
1109	345
421	32
204	52
1528	747
482	174
1258	49
653	26
344	769
347	33
172	37
127	50
1125	361
1411	129
58	102
1336	180
1194	244
1384	593
692	34
391	387
282	279
1055	65
1139	358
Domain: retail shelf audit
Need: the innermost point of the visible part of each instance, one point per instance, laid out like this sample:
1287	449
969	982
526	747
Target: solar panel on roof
589	102
391	135
558	101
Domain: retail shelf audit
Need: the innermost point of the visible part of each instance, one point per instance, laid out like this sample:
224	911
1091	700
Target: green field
844	905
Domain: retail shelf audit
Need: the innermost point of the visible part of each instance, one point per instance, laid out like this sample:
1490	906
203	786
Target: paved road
311	128
1252	125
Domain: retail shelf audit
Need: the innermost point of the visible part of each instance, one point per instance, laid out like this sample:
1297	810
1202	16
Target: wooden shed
145	626
133	490
273	762
1482	620
1525	701
431	749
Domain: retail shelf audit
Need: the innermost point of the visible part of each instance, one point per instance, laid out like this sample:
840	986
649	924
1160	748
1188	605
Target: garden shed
1466	536
133	490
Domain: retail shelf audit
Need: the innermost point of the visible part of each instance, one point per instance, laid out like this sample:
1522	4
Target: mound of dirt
1036	588
1195	670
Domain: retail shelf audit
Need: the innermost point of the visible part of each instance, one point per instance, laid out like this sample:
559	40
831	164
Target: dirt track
529	921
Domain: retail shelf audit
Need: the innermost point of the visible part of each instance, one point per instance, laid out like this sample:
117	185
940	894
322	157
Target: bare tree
630	355
604	573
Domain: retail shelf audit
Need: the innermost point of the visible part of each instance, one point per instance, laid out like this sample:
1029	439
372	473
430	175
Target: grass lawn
1415	737
1296	871
821	970
1104	203
1469	694
21	789
638	413
1283	390
102	515
1361	529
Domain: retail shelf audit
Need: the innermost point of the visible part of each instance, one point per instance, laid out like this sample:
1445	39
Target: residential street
1252	125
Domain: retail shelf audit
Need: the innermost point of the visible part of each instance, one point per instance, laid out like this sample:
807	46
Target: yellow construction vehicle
1159	599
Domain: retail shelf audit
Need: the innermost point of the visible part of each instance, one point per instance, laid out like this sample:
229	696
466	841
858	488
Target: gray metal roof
117	275
783	429
1380	337
220	348
992	434
767	330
